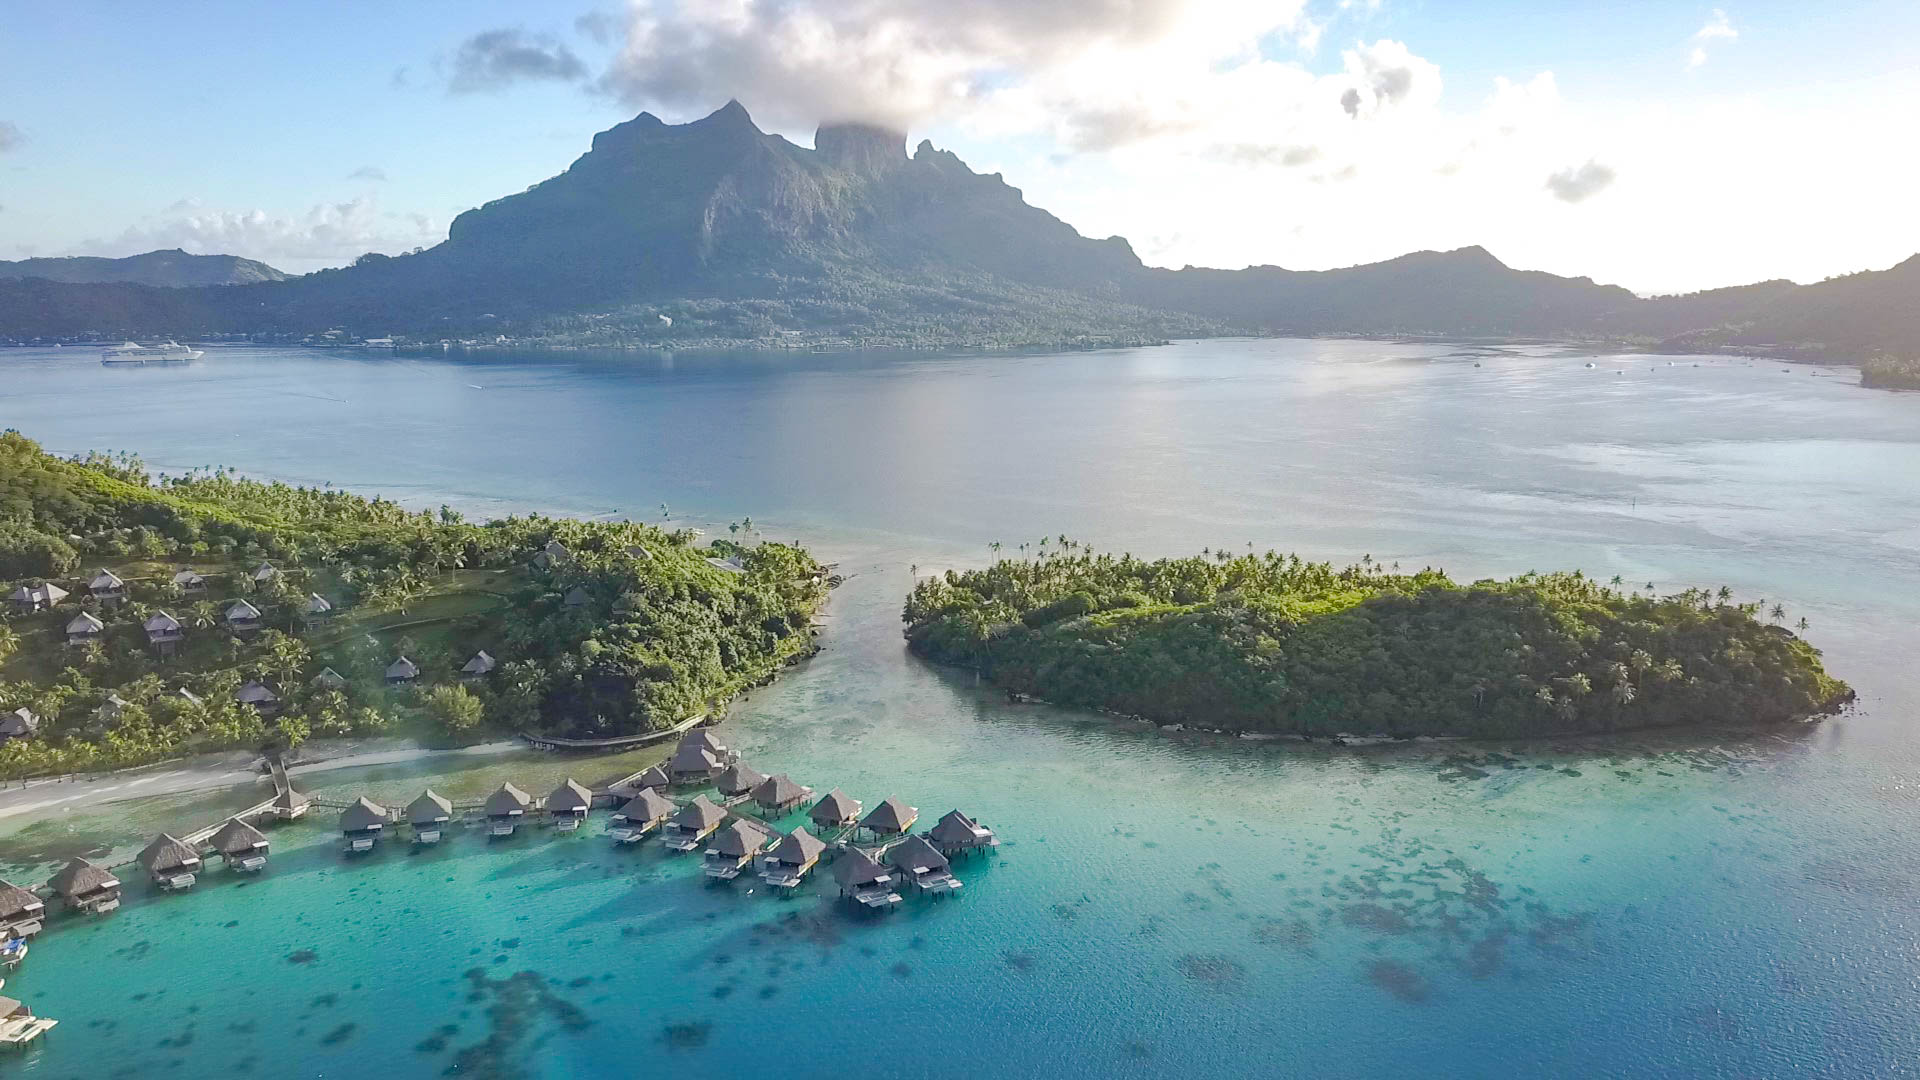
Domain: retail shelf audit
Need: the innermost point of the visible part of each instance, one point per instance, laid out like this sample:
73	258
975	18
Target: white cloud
495	59
1578	183
330	234
370	173
1717	28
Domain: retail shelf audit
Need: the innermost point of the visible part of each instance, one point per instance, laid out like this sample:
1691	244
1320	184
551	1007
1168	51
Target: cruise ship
170	353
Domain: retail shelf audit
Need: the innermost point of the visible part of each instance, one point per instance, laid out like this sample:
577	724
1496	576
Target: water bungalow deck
21	1030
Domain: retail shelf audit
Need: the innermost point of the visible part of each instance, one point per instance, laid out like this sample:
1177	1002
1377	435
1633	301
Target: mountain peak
863	148
732	114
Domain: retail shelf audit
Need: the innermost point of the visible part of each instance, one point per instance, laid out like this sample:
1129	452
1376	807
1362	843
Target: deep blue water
1160	907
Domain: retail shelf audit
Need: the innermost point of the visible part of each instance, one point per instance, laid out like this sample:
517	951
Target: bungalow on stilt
362	824
170	862
641	815
692	823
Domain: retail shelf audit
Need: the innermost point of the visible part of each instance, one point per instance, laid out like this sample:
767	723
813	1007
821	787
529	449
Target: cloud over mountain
325	235
496	59
1581	182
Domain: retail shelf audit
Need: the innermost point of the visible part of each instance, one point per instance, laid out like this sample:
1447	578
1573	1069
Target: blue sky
1663	146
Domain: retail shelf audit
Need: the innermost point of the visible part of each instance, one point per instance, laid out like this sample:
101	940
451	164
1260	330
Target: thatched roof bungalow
890	818
242	617
641	815
188	581
107	587
164	632
241	846
479	667
956	832
22	914
428	815
264	573
836	811
693	764
921	866
568	805
171	862
504	809
779	794
790	860
864	881
738	779
40	597
402	670
318	607
291	804
83	886
258	695
691	824
329	679
733	848
85	627
362	823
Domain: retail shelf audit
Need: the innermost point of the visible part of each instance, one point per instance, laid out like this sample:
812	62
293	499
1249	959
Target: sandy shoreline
211	773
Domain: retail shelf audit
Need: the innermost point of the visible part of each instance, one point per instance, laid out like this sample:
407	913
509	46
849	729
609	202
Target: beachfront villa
258	695
41	597
402	670
22	913
83	886
318	607
189	582
956	834
241	846
692	823
20	723
921	866
568	805
641	815
479	667
733	848
738	779
362	824
779	794
505	808
243	618
836	811
787	865
85	629
890	818
329	679
164	632
864	881
428	815
107	587
171	862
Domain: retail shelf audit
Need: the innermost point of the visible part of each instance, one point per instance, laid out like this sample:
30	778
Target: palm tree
1803	623
1616	579
1779	612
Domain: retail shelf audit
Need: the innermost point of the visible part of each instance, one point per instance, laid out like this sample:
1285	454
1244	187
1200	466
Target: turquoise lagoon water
1161	906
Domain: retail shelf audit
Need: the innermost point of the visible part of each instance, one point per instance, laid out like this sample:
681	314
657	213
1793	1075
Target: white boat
170	353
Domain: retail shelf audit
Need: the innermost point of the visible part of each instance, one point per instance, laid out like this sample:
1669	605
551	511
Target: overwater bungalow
402	670
706	738
641	815
738	779
41	597
22	914
864	881
243	618
733	849
85	629
83	886
264	573
479	667
362	823
790	860
691	824
107	587
241	846
21	723
189	582
428	815
258	695
291	805
318	607
170	862
18	1025
692	764
890	818
164	632
568	805
779	794
654	777
921	866
505	808
956	833
329	679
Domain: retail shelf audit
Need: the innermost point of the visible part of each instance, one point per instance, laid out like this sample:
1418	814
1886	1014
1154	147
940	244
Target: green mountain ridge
736	235
172	268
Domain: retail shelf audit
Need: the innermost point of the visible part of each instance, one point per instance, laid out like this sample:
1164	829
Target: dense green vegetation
1891	373
622	628
1274	644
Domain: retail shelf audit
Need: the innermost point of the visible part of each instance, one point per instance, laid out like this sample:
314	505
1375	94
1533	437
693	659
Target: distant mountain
717	232
173	269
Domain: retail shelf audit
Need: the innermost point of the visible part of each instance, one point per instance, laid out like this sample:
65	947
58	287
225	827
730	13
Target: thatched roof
479	665
265	572
403	668
80	877
237	837
890	816
954	828
329	679
798	848
915	854
693	759
740	839
85	623
16	901
292	800
255	693
318	605
835	808
241	611
857	868
161	623
576	597
649	805
703	737
654	777
779	791
429	809
556	550
363	814
701	813
45	593
104	581
187	577
568	797
507	800
739	778
168	852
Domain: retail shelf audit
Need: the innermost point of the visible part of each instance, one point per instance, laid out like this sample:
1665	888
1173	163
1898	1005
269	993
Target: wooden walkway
618	742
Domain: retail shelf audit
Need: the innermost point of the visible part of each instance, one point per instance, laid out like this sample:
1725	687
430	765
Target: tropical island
148	617
1276	645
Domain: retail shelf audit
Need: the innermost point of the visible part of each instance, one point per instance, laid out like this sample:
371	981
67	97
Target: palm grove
598	628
